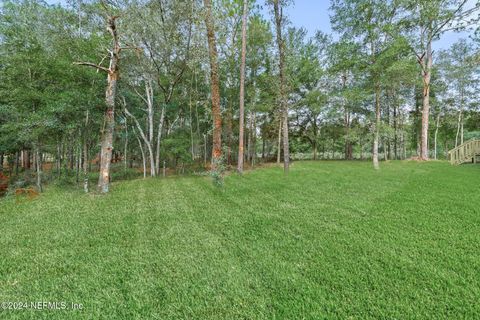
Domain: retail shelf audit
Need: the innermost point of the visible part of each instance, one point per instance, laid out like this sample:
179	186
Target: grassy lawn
332	240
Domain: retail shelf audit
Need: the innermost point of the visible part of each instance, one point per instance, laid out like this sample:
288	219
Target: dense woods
105	90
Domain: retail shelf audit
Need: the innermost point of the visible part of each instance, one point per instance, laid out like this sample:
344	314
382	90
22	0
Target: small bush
123	174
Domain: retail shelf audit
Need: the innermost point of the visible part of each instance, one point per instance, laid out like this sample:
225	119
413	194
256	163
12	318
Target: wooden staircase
468	152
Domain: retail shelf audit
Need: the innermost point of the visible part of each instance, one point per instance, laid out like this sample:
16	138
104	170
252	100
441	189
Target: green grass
331	240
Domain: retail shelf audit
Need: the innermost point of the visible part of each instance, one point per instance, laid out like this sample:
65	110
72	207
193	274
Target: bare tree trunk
11	163
26	159
17	162
38	167
28	163
148	134
70	157
85	166
149	92
152	160
192	148
437	125
229	131
107	136
458	128
427	70
249	139
361	149
333	148
109	118
279	148
78	161
60	158
461	130
263	148
417	121
125	148
376	128
346	115
205	149
283	99
147	142
143	154
230	91
159	138
461	115
214	86
385	151
242	87
254	138
403	149
395	141
388	141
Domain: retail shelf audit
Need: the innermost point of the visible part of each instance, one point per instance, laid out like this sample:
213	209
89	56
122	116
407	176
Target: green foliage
177	147
472	135
45	99
120	173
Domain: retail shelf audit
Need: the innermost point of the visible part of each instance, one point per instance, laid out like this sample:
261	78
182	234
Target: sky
313	15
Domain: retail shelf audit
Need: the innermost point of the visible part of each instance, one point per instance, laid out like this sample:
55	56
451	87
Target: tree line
116	87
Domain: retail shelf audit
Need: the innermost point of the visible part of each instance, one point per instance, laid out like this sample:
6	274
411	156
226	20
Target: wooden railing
465	153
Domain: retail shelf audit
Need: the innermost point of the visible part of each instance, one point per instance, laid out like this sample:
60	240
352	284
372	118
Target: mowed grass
333	240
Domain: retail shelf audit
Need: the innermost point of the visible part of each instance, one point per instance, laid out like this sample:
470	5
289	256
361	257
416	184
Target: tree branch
439	28
93	65
139	127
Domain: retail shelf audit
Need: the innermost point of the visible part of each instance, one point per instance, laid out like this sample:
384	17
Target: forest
126	88
217	159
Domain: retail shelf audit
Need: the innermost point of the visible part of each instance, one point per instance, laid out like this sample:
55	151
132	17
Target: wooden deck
465	153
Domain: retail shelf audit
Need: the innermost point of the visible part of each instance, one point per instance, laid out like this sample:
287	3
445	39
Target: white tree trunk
143	154
85	156
376	129
242	88
159	138
437	124
279	141
458	128
147	143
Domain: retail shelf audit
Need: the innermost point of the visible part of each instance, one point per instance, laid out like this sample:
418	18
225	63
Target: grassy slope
333	240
